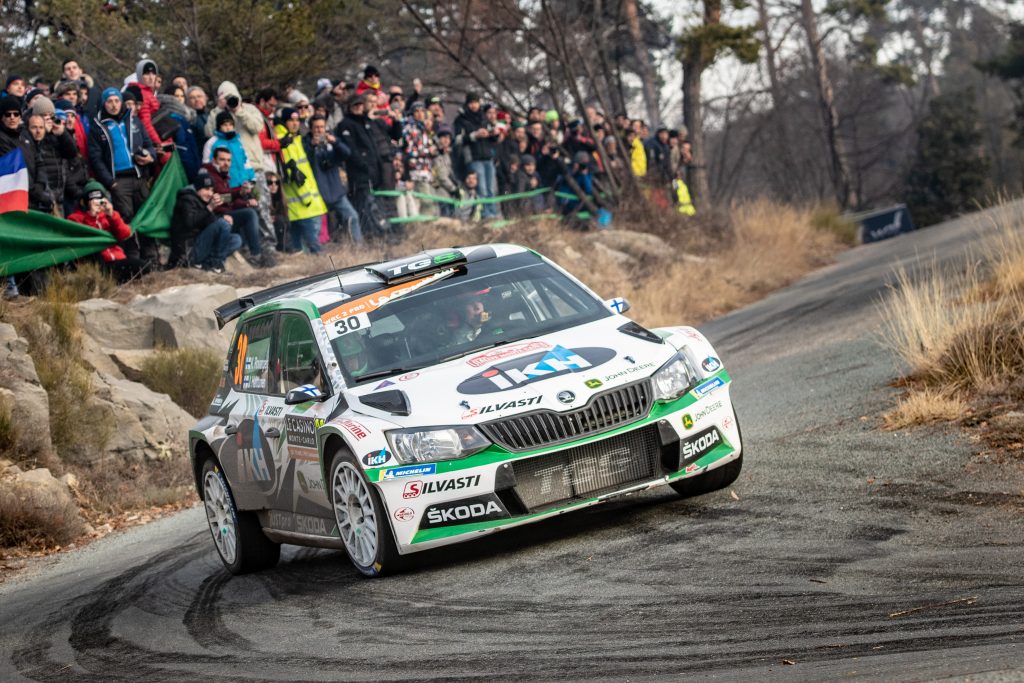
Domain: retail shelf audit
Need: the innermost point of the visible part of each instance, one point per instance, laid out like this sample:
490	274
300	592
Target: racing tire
362	519
238	536
716	479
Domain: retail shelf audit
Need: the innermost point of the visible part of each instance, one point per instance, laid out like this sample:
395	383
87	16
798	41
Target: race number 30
359	321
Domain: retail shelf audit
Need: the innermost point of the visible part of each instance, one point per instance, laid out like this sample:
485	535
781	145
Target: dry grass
188	376
924	406
87	280
961	338
107	490
32	522
8	429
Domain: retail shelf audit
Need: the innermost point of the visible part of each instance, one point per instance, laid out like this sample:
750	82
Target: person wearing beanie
226	137
371	80
32	95
53	148
14	133
364	166
236	203
476	147
78	170
42	106
121	156
444	184
147	76
96	211
199	237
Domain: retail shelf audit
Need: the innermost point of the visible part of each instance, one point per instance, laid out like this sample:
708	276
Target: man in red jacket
147	75
97	212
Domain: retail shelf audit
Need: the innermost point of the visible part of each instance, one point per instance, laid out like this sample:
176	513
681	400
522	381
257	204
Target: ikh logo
479	509
701	444
378	458
533	368
710	364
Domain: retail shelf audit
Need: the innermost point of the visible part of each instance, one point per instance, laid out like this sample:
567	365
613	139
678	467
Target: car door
298	362
251	453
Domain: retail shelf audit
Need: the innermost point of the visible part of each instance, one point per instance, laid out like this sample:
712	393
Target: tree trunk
696	58
645	68
839	168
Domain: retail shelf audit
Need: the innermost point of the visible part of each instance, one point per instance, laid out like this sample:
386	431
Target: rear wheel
362	520
238	536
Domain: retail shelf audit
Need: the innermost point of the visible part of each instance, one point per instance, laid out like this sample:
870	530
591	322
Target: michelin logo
706	388
411	471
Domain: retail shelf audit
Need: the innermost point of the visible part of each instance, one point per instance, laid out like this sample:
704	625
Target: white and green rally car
399	406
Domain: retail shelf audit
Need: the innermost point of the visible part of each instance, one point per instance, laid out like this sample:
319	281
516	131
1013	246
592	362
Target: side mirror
303	394
617	305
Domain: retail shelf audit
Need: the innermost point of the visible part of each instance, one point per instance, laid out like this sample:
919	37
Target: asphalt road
835	529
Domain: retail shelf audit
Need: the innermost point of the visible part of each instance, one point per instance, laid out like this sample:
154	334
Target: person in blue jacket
225	136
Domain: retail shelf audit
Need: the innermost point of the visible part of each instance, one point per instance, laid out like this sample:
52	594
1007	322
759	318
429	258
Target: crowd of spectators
279	171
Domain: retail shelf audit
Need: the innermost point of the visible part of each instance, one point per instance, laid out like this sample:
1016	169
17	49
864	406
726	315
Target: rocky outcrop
30	406
183	316
150	426
114	326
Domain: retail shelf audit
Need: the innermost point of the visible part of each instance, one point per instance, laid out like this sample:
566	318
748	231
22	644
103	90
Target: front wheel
238	536
716	479
362	520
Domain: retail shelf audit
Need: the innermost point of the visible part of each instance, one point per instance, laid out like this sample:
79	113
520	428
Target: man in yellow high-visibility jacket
637	153
306	207
684	204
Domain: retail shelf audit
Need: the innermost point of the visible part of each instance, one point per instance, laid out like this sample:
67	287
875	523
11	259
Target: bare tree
645	68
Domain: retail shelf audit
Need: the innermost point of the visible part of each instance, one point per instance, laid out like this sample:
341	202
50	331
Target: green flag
154	216
33	240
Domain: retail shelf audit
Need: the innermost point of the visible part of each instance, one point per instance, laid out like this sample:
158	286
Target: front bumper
497	489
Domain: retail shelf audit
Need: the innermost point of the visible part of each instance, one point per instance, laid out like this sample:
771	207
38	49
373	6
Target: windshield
444	316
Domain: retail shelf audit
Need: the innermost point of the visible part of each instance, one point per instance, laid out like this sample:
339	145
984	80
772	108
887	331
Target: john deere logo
593	383
688	421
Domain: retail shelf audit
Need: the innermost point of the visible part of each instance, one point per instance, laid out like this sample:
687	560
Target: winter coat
303	199
113	224
638	158
101	152
521	183
659	159
248	124
241	169
444	175
418	155
190	217
327	158
52	155
184	137
467	123
9	139
364	165
223	185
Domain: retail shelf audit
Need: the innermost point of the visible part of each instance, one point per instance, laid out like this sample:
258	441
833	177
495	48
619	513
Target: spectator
475	135
147	76
301	104
198	236
13	134
120	156
419	154
97	212
175	91
637	153
249	123
52	149
659	157
444	184
226	137
526	180
364	166
197	101
78	167
270	147
470	209
305	205
16	88
181	118
436	109
407	204
180	82
237	203
386	130
584	181
42	84
339	94
371	80
278	209
329	156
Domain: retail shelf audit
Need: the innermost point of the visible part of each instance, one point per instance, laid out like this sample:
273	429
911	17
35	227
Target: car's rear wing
229	311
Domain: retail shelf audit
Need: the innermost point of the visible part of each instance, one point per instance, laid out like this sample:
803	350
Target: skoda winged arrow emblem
566	397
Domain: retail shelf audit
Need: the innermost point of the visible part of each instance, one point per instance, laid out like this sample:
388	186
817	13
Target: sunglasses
272	183
11	115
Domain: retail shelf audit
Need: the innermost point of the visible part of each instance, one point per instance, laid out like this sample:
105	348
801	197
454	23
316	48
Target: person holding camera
237	204
476	135
96	211
121	156
306	207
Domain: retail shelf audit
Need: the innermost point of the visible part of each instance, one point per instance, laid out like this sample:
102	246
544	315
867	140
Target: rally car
393	407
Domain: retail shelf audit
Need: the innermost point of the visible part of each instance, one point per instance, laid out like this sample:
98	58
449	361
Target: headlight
673	379
440	443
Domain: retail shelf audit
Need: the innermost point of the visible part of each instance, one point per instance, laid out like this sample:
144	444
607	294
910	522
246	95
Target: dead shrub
827	218
8	428
83	280
108	490
28	522
188	376
923	406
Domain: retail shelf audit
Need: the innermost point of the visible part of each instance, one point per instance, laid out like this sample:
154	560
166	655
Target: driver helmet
353	353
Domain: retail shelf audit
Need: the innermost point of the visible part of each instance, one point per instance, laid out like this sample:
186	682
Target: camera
232	101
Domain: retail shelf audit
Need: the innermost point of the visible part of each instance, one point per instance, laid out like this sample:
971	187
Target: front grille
589	470
604	411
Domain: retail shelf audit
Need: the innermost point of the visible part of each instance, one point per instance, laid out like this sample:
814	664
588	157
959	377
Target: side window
250	369
298	359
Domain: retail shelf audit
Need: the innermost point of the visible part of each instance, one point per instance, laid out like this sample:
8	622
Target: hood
522	377
140	65
172	105
227	88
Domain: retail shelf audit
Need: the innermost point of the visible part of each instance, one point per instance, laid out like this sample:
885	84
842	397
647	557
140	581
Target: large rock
114	326
98	359
129	363
642	246
30	406
620	258
183	316
150	426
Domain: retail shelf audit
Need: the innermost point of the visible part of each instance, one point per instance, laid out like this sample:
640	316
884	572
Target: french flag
13	182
